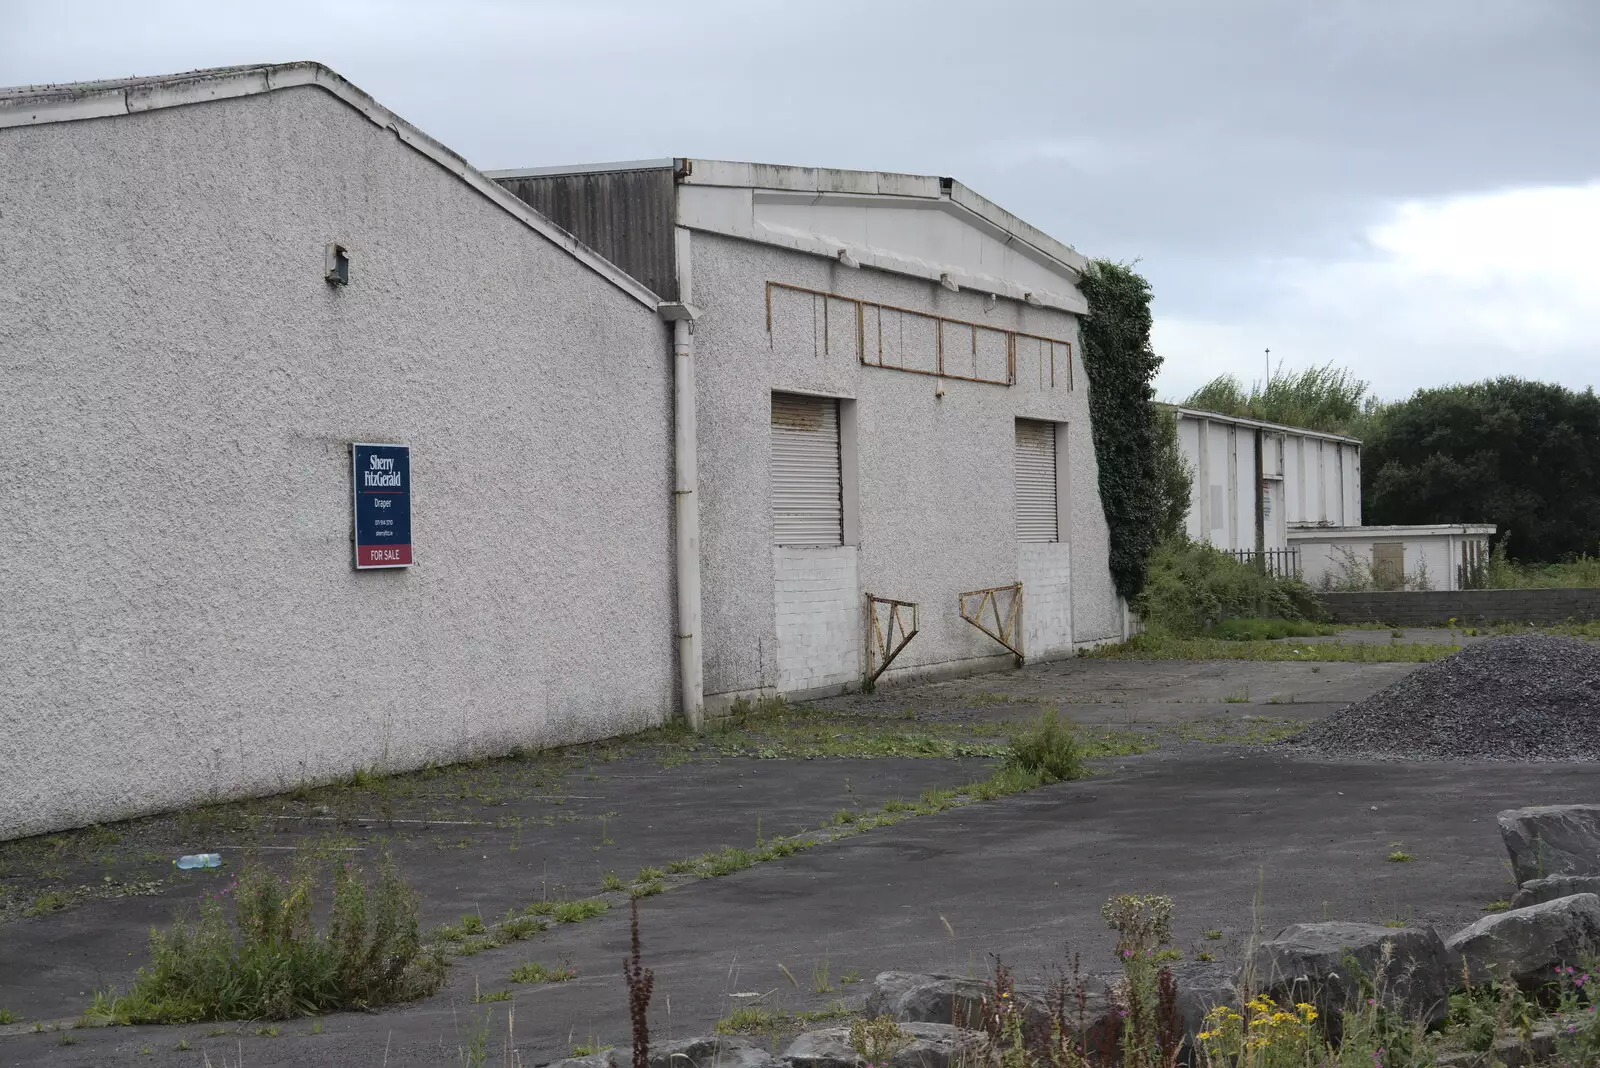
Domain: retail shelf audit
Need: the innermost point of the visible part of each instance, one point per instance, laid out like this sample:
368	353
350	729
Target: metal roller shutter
1036	481
806	490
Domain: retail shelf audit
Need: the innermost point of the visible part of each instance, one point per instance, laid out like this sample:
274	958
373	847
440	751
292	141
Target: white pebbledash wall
935	483
179	619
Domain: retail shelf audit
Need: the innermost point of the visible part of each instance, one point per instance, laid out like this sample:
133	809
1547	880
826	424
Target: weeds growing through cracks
878	1040
271	963
534	972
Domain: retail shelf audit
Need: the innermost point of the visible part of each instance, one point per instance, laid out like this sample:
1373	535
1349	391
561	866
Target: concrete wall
1464	606
179	618
935	474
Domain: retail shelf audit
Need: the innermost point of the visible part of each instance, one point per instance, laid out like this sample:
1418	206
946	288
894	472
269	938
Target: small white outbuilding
1293	496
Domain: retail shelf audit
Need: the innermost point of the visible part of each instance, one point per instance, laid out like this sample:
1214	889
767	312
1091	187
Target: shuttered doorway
807	501
1036	481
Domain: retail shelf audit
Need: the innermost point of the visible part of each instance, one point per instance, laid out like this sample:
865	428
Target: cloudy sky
1410	188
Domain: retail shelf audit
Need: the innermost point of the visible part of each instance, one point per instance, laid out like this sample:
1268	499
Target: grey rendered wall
936	474
179	619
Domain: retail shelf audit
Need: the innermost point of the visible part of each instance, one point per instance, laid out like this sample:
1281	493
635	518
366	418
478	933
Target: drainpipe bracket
677	310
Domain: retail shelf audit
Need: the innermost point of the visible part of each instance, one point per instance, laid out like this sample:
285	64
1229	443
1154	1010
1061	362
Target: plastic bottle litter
199	860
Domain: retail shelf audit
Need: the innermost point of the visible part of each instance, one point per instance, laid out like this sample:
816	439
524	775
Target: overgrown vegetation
1144	1028
1500	572
267	961
1193	587
1162	647
1522	455
878	1040
1128	441
1326	398
1174	479
534	972
774	1024
1264	630
1046	752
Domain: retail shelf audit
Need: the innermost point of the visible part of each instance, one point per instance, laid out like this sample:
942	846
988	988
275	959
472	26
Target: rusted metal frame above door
940	322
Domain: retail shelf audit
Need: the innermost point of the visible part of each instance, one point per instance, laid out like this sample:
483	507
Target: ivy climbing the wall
1127	432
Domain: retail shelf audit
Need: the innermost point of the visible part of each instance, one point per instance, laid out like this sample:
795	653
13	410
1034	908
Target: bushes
1193	587
1047	752
1261	630
271	963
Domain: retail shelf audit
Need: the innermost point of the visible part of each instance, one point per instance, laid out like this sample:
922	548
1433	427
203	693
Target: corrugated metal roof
625	215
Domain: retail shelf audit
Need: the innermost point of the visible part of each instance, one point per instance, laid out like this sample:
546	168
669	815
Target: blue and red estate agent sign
382	477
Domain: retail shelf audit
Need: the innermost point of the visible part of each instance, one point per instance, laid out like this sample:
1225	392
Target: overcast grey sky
1407	187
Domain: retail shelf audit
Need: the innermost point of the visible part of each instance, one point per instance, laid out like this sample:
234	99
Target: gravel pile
1527	697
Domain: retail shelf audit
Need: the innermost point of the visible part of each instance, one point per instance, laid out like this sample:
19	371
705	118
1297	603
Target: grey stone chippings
1524	697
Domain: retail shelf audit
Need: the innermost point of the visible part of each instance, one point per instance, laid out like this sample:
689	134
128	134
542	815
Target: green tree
1326	398
1122	367
1522	455
1174	478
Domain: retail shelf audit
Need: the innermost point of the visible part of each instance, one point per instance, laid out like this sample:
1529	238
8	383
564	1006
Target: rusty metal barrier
882	644
1007	630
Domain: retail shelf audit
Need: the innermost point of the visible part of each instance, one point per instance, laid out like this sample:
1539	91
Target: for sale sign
381	476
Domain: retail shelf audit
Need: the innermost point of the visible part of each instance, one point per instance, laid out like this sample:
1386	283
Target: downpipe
686	497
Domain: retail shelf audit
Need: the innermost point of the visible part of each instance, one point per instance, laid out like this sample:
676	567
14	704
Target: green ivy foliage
1128	437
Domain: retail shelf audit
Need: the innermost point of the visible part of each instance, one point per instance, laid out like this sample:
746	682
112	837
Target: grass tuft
578	911
269	962
1046	752
534	972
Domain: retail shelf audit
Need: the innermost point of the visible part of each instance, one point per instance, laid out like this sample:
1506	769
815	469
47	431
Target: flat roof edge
790	178
1311	532
669	163
1241	420
75	101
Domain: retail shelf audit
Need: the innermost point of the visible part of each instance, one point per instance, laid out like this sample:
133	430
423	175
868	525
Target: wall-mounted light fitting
338	265
949	283
847	259
990	302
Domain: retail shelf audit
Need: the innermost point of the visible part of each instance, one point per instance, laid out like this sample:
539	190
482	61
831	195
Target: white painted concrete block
817	602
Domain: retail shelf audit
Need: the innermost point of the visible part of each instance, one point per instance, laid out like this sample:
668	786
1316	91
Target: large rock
1551	887
603	1059
1202	986
1312	962
718	1051
1552	840
933	1045
949	999
1527	944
